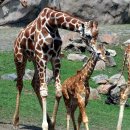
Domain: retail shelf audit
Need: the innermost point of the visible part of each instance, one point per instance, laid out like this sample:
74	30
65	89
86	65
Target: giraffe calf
76	89
75	95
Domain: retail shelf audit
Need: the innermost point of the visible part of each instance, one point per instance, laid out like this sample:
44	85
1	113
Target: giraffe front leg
20	68
123	98
56	70
36	85
41	67
81	104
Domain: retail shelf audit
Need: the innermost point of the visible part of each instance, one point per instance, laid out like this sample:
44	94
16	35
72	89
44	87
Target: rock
116	90
100	65
49	75
126	42
100	79
115	80
109	38
103	88
103	11
112	52
8	77
76	57
22	10
73	43
28	75
113	96
94	95
110	61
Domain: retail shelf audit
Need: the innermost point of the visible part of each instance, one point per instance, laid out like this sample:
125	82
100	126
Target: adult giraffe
40	42
125	92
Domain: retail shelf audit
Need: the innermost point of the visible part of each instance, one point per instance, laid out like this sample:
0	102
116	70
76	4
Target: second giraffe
76	89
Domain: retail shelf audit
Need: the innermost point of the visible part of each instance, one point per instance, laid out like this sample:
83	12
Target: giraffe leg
68	119
56	70
123	99
79	120
81	104
35	85
20	68
41	67
67	105
73	117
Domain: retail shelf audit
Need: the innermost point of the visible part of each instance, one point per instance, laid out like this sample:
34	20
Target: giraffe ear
90	24
95	24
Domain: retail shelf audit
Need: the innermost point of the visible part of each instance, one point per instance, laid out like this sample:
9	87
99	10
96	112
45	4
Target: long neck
58	19
89	67
128	63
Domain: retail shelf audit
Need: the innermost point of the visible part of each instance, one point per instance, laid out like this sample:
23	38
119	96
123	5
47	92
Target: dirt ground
8	126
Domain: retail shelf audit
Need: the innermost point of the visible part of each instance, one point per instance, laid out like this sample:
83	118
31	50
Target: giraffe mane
68	13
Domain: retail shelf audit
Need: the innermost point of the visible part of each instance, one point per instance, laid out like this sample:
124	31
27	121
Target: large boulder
72	42
100	79
27	76
94	95
76	57
12	11
105	11
100	65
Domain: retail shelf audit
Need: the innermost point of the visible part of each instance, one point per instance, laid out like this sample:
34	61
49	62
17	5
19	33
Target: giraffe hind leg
20	68
56	72
73	116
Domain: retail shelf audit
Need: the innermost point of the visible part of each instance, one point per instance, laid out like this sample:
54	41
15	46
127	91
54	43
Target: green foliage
101	116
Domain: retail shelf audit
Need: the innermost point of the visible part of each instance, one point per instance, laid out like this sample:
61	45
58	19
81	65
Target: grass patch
101	116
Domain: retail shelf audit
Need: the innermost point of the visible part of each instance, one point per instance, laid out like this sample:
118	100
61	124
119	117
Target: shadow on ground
8	126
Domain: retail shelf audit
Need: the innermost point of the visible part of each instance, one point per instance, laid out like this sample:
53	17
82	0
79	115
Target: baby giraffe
76	89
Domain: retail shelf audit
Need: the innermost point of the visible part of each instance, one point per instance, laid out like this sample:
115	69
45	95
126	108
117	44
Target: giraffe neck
128	62
89	67
57	19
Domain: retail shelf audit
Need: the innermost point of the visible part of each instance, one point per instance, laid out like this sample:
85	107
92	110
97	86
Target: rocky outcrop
24	11
117	80
105	11
27	76
76	57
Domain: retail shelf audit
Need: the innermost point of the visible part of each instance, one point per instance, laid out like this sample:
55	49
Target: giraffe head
89	33
101	52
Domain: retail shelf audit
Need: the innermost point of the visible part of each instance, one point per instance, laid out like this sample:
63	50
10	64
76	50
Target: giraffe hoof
15	127
16	123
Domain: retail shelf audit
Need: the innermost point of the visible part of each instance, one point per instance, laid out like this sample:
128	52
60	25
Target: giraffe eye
88	37
107	53
98	53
